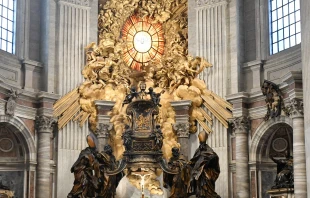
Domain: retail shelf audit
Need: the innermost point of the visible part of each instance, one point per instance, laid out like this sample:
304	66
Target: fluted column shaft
242	165
44	127
300	183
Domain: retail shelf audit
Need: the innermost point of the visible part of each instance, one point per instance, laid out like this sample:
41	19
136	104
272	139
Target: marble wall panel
267	181
14	180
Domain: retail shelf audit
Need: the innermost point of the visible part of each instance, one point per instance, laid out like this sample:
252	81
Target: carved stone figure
205	170
133	94
3	187
273	99
158	135
11	103
177	182
285	173
155	97
85	182
107	183
127	138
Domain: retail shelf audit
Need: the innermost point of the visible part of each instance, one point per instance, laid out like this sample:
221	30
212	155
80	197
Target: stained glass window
7	24
284	24
144	41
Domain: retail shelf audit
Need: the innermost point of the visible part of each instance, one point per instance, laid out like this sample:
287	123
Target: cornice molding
210	3
84	3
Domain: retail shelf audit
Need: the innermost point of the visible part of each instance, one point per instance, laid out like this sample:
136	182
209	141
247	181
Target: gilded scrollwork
108	76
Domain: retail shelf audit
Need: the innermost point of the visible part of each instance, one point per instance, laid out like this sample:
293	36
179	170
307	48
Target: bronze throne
143	139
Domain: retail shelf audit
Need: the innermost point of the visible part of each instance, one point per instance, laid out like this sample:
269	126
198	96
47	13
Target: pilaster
103	135
182	130
29	67
254	70
104	125
305	51
182	124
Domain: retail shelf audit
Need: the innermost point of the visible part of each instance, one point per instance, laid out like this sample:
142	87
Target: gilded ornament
109	76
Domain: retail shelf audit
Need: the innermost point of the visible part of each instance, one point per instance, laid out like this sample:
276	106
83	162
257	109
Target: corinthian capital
182	129
240	124
296	108
103	130
45	123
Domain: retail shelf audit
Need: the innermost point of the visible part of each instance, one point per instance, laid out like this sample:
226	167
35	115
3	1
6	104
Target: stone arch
18	124
264	130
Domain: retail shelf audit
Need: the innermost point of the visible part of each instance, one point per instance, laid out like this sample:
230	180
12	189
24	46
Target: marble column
241	127
297	115
45	126
182	130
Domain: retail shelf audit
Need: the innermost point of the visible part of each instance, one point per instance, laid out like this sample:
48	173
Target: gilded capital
296	108
240	124
45	123
182	129
103	130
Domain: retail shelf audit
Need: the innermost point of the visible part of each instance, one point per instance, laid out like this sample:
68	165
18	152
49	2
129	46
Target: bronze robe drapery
178	182
205	170
108	183
85	183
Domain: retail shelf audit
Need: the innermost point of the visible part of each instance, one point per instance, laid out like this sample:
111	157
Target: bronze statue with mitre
205	170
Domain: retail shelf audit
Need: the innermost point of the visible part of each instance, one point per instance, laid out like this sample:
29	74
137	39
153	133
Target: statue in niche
85	182
107	183
285	173
11	103
205	170
158	136
177	182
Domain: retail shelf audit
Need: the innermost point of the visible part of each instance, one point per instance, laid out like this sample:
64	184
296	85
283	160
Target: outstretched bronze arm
166	168
120	168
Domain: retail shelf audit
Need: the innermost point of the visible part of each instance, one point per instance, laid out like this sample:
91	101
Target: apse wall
208	37
76	27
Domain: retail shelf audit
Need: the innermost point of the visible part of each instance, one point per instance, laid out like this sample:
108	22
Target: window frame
289	26
21	30
9	43
263	33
